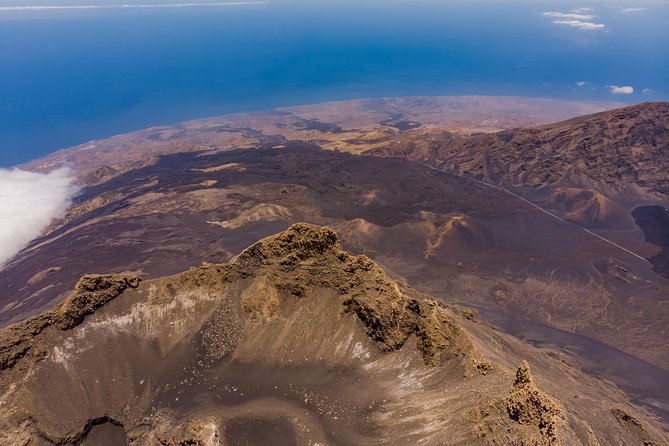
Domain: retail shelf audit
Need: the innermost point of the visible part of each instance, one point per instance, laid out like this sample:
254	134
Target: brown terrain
554	233
293	342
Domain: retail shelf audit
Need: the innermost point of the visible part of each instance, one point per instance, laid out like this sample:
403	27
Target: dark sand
654	222
106	434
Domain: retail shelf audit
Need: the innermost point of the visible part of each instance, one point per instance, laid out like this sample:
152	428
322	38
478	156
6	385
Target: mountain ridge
208	189
610	150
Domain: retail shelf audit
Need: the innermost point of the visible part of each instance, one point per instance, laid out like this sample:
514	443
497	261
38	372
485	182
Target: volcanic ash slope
294	342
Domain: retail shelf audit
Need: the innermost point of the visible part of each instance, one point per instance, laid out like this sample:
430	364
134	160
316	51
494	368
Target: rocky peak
523	377
90	293
297	243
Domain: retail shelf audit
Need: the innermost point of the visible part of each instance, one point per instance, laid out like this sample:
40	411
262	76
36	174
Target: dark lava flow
654	222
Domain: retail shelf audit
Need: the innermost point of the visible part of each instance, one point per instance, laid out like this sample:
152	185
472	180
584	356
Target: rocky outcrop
78	437
90	293
525	417
389	317
192	433
528	406
632	425
298	243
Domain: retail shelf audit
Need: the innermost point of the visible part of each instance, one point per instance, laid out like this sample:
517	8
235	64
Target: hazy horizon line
126	6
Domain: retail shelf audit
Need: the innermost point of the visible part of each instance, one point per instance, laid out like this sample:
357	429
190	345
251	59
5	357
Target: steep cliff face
293	342
90	293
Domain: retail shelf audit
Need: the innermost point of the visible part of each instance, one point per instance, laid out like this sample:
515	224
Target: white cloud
29	201
578	18
589	26
581	83
647	90
621	90
125	6
630	10
568	15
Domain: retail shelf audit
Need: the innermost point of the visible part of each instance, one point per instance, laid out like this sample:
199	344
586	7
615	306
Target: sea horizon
93	73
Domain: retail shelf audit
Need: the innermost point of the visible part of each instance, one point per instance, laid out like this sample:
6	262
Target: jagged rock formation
293	342
527	405
389	317
90	293
526	417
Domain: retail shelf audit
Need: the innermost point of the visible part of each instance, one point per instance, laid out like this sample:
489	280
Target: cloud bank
569	15
29	201
588	26
621	90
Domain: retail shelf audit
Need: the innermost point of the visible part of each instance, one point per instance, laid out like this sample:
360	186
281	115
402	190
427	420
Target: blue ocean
71	74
